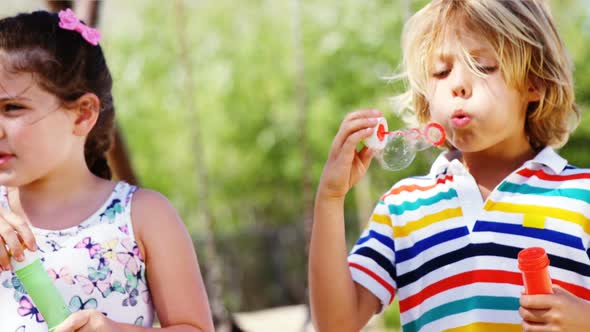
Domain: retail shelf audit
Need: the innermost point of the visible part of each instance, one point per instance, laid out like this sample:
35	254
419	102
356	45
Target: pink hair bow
69	21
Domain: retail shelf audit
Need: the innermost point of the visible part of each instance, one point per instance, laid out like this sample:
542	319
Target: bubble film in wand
395	150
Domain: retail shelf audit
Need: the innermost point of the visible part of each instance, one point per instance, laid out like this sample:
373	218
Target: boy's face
478	113
35	132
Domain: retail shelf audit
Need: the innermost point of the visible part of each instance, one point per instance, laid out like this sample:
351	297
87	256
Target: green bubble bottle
42	291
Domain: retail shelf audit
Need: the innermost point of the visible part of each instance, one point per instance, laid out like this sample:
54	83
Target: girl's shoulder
152	214
147	204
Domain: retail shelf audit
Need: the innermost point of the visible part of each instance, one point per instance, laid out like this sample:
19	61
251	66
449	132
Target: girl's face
478	113
36	132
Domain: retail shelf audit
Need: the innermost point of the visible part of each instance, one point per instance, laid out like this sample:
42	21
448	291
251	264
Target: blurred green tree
243	62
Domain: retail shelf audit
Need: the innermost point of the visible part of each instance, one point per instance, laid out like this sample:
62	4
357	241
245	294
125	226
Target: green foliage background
243	68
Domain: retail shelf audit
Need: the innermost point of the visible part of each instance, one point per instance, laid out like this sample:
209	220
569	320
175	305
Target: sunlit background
229	108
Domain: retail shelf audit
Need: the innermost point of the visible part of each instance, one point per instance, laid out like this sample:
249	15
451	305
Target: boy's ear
534	91
86	109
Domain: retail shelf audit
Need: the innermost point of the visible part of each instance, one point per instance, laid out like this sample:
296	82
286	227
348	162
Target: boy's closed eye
485	65
487	69
443	73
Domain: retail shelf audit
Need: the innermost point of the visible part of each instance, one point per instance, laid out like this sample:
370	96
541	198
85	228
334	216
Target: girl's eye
441	74
12	107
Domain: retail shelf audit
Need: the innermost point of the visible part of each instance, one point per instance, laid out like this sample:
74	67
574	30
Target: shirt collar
548	157
449	161
443	163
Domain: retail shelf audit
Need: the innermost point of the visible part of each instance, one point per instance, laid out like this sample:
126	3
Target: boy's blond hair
528	49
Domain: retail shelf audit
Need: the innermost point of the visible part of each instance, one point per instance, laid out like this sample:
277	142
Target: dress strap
119	210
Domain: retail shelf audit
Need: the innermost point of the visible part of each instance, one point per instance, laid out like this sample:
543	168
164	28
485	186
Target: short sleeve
372	259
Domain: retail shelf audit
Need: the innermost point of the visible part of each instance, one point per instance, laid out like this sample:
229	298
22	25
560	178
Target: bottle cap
532	259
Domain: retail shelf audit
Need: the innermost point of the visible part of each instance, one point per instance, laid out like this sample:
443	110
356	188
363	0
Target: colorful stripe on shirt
450	274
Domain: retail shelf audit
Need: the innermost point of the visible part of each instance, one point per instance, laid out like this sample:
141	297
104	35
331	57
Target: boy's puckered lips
460	118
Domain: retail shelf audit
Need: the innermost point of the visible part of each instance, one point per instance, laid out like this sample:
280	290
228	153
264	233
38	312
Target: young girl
115	252
496	75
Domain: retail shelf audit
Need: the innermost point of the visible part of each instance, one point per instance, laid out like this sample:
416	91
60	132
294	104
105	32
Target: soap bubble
397	154
395	150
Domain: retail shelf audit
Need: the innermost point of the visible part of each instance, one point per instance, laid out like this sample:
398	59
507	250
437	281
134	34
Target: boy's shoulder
548	172
570	169
571	177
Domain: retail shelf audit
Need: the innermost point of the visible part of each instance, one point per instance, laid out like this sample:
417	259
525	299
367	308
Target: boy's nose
461	82
460	91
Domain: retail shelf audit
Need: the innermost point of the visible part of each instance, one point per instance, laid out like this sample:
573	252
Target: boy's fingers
536	301
350	127
366	155
349	146
560	290
371	113
535	316
533	327
350	117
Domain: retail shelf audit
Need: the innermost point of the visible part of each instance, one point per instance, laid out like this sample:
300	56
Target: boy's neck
490	167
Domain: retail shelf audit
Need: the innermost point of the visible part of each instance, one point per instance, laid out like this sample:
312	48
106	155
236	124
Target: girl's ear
86	109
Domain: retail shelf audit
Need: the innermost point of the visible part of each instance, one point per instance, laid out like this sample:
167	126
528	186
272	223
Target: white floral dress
95	265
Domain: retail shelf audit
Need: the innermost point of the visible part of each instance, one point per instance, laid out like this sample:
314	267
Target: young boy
496	76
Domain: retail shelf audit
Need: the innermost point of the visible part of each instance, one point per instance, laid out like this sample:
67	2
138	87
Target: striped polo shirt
451	257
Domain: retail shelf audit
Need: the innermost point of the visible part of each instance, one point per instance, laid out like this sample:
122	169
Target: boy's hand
15	234
560	311
345	166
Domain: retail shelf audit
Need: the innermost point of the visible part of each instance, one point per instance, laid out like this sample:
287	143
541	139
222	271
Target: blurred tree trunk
302	111
363	200
117	156
214	277
58	5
